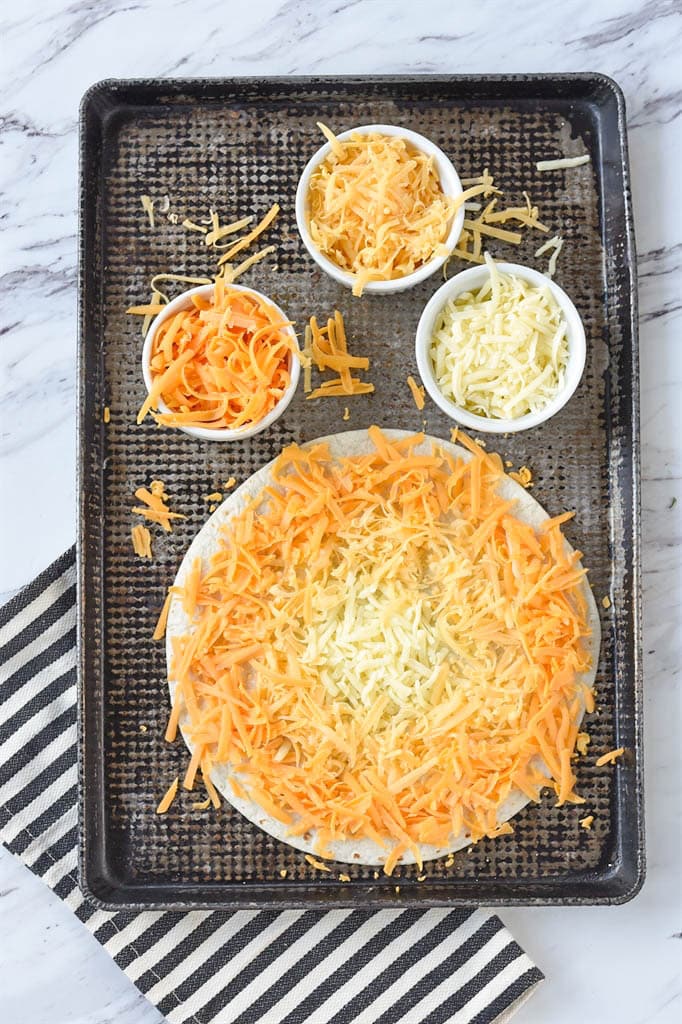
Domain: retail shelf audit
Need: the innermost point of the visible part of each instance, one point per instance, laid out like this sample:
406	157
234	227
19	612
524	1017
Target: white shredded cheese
501	352
562	163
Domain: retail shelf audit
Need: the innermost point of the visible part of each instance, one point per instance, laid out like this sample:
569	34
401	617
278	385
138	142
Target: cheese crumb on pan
610	758
586	822
106	414
523	476
562	163
501	352
148	207
606	601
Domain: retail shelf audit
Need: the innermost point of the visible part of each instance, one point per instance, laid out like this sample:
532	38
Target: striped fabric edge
241	967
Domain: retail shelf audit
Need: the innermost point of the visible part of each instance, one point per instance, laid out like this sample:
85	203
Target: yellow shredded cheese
501	352
376	207
106	415
606	601
586	822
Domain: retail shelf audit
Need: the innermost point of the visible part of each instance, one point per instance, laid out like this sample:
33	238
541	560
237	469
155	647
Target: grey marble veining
603	965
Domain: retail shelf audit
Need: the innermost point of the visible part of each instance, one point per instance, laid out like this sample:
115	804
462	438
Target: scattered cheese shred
501	352
229	484
142	541
344	878
155	507
376	207
106	415
562	163
582	743
148	207
317	863
346	414
384	651
610	758
160	629
470	244
244	242
417	392
523	476
222	364
327	347
283	872
586	822
215	496
168	797
606	601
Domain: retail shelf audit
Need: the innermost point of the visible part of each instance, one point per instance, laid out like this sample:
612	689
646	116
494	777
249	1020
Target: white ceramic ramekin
449	181
471	280
184	301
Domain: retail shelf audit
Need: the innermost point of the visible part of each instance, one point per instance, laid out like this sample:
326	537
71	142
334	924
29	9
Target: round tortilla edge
204	545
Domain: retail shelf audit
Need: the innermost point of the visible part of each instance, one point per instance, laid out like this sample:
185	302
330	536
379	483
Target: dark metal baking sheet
238	145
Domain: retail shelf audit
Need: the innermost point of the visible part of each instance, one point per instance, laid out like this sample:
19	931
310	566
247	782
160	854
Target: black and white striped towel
245	967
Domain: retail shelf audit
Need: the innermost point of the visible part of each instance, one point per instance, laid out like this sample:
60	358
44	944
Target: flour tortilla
207	542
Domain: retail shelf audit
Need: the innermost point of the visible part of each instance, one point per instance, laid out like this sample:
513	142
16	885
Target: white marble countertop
603	965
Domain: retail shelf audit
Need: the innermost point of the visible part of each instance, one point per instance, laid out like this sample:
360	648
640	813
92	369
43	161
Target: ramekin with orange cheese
379	208
220	363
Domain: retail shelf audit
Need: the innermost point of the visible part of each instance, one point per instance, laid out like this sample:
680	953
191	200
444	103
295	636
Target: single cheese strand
563	162
168	797
247	239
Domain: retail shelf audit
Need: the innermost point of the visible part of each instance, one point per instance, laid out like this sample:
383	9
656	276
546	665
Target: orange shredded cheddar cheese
606	601
344	878
327	347
106	415
346	414
417	392
586	822
142	541
610	758
160	629
229	484
154	505
168	797
471	626
221	364
376	207
215	496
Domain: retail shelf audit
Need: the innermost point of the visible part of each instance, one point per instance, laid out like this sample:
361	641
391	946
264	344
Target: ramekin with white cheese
500	347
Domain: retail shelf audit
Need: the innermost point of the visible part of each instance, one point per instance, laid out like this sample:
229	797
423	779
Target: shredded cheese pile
501	352
376	207
154	505
487	225
221	364
383	650
327	347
